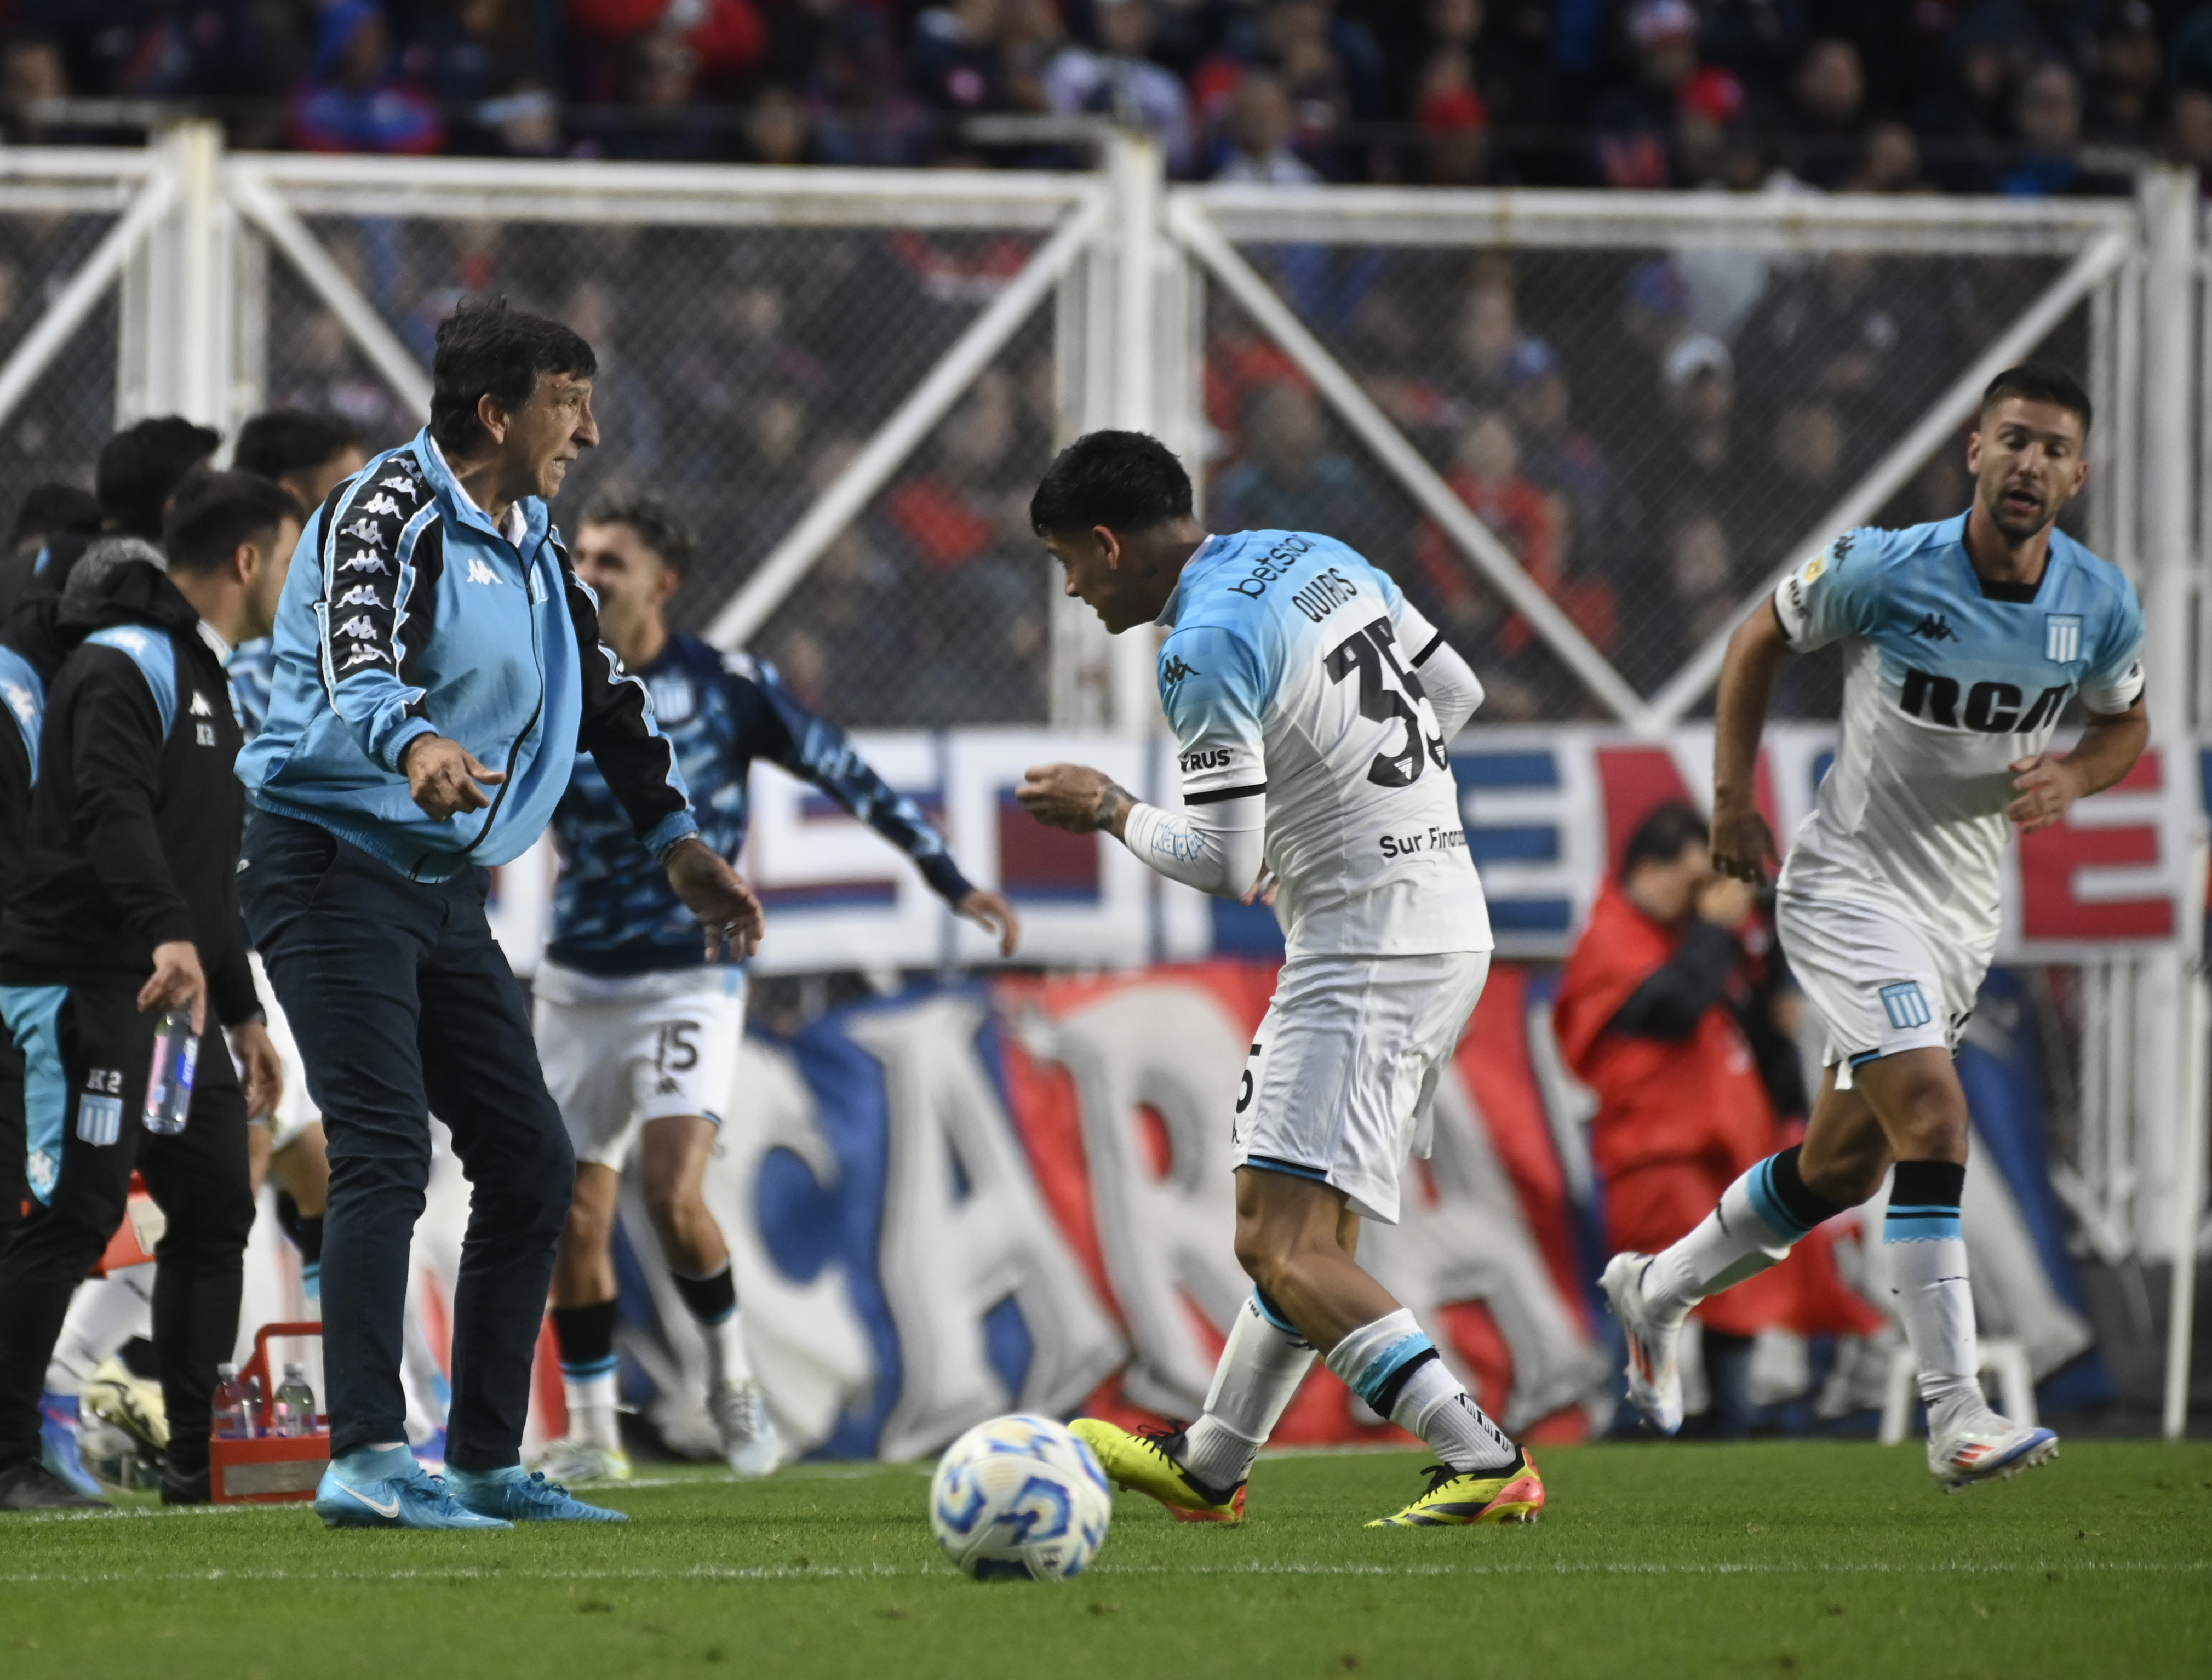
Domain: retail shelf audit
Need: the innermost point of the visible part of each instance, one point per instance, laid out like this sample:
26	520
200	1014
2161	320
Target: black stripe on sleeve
1215	795
1435	643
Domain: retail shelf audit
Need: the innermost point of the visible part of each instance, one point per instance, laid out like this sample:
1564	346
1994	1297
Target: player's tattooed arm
1077	798
2048	786
1743	845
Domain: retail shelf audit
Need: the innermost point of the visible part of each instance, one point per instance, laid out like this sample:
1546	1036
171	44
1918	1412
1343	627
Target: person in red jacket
1643	1020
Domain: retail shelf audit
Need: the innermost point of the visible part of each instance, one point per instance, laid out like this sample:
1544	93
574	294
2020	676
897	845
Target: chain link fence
54	433
739	370
1650	433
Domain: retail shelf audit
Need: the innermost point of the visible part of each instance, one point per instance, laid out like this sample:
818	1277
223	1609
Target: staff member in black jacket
127	906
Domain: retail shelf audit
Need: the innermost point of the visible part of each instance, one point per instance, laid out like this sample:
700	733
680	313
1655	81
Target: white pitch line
794	1572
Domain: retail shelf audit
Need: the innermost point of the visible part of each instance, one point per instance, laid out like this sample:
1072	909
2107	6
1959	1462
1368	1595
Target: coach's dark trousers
87	1051
402	1003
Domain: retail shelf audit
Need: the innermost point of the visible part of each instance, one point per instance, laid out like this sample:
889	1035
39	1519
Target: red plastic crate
268	1469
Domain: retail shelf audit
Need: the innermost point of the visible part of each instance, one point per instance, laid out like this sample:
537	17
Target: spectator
33	73
1487	475
1805	457
725	37
779	129
355	98
2189	130
2124	91
1631	124
1698	463
1563	460
1965	119
665	122
1702	600
1889	160
1455	124
2047	118
1836	331
1289	478
1260	125
954	64
1116	79
1828	96
1708	145
1483	343
310	454
1647	1018
490	55
1030	35
323	374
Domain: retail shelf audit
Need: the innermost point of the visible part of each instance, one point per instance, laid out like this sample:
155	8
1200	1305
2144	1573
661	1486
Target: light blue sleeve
2114	681
1214	688
1833	595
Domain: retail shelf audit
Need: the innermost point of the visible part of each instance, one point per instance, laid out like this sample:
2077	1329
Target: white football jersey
1293	669
1948	678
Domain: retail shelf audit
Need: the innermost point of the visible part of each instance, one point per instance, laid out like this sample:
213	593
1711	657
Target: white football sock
727	1363
1395	1369
1435	1405
1926	1252
1260	1368
1748	1231
104	1313
592	1408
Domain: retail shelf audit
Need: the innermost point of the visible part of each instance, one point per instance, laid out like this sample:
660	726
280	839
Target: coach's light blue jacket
408	613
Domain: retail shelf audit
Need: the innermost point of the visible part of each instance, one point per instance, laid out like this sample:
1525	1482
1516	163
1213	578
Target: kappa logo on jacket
365	562
200	706
381	504
362	594
480	572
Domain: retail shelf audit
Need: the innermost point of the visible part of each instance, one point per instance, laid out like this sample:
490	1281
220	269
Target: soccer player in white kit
1962	642
1311	705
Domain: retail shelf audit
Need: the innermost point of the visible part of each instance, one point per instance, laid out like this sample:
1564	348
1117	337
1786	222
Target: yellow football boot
1147	1464
1514	1494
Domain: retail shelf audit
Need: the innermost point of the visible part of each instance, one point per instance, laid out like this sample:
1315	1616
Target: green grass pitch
1783	1559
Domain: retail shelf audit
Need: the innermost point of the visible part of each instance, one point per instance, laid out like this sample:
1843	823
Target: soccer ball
1019	1496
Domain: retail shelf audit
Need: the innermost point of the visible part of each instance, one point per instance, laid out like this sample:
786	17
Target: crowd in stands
2022	96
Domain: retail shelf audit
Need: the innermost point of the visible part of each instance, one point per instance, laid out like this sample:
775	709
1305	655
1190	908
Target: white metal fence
1587	428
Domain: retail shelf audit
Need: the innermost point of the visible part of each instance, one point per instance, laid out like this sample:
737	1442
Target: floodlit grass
1771	1559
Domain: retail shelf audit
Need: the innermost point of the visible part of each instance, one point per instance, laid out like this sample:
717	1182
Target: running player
1962	642
638	1034
1311	705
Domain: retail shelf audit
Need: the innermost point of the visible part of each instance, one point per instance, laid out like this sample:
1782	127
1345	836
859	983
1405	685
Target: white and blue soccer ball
1020	1497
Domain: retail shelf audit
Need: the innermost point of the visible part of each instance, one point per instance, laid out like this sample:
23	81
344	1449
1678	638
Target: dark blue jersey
613	910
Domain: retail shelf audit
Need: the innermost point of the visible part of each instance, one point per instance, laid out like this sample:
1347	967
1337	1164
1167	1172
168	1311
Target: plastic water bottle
234	1408
295	1403
169	1081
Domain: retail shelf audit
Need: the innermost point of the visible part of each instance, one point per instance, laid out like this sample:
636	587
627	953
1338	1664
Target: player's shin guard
713	1303
1927	1256
1759	1218
1395	1369
587	1339
1261	1366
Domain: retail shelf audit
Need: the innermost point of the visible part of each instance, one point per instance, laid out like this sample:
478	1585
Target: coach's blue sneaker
386	1488
523	1496
59	1444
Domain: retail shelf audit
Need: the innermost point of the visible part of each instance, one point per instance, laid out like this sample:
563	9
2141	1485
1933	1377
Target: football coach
438	668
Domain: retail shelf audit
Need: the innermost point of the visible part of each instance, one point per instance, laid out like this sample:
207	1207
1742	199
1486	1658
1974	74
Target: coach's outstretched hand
730	916
444	776
994	916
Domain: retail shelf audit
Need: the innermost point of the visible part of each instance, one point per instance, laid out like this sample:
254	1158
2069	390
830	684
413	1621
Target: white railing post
174	346
1137	175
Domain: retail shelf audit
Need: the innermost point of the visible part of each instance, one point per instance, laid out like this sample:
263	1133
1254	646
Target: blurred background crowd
2025	96
1650	432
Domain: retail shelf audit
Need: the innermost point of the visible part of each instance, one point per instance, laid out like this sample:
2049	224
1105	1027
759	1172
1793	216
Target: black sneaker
180	1488
30	1486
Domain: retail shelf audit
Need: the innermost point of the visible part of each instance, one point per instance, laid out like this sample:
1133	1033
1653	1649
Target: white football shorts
295	1109
1881	981
1338	1083
621	1052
